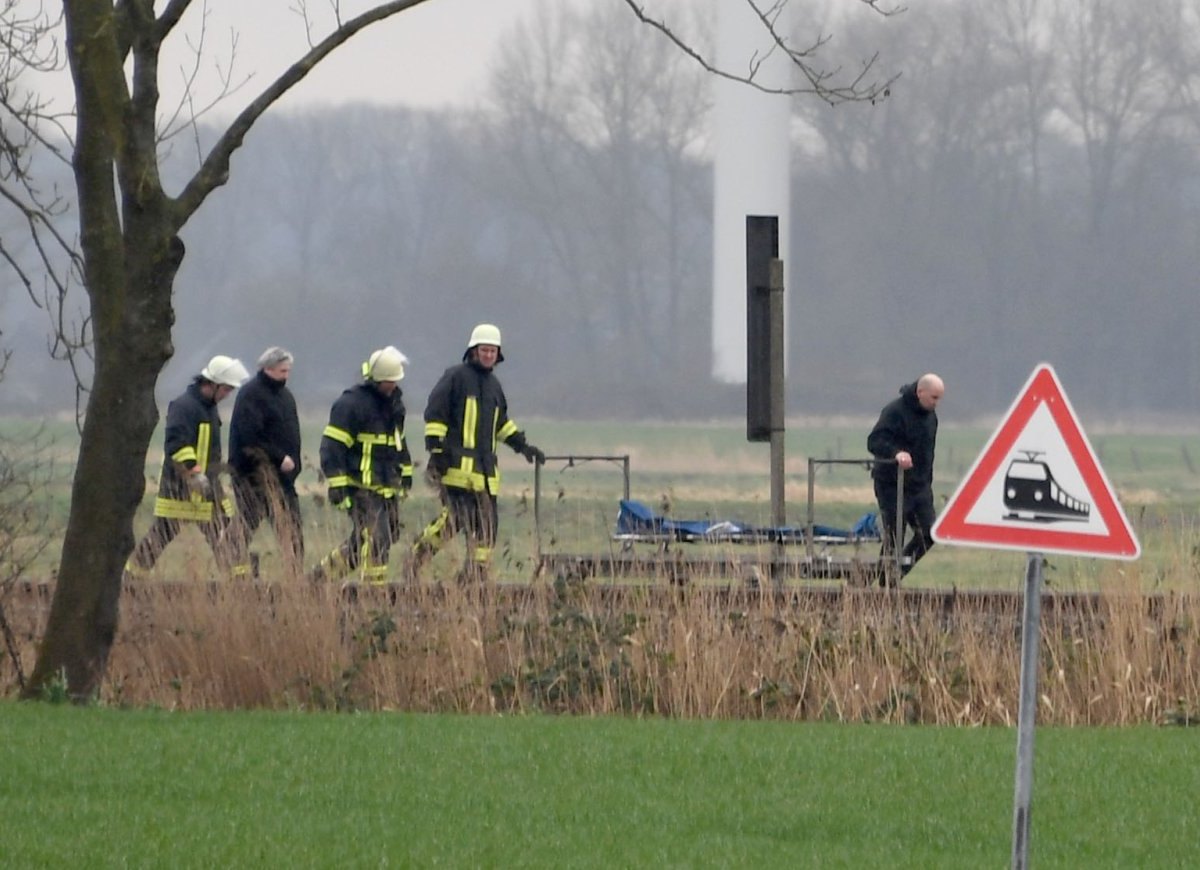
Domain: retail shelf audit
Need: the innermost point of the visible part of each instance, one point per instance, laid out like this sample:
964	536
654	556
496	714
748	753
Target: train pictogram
1032	494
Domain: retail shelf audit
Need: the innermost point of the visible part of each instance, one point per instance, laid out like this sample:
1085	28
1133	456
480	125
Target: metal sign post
1031	635
778	508
765	360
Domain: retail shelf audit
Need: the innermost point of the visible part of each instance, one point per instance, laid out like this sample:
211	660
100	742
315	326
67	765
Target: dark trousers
473	514
257	501
375	524
919	516
164	530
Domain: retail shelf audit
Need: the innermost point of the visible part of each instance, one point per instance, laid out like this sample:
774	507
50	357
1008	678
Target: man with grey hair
905	436
264	452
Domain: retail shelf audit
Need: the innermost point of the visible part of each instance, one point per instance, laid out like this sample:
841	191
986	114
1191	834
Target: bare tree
130	248
592	110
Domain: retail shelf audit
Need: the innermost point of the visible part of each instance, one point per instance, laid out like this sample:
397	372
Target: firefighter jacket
263	430
363	445
193	438
465	418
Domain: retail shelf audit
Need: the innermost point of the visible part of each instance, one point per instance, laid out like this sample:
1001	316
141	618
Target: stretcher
811	550
638	523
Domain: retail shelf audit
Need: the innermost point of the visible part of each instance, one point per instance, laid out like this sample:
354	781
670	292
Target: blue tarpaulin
635	520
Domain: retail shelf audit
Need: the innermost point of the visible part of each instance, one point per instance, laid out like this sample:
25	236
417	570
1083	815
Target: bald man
906	434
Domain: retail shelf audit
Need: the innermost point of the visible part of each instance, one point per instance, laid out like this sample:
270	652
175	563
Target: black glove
532	454
339	497
405	485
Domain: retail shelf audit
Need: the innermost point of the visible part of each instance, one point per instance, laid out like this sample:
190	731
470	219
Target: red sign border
1043	387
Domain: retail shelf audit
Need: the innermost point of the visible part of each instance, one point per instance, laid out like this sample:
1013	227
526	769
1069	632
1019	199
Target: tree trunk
107	489
133	343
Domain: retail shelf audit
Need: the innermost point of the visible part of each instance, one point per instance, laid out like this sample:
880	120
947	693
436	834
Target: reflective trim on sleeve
183	454
434	429
339	435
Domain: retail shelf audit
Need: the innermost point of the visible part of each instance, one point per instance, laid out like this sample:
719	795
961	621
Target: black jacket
904	425
264	429
466	417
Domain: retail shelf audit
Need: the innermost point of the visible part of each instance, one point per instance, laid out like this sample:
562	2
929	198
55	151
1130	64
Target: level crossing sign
1038	486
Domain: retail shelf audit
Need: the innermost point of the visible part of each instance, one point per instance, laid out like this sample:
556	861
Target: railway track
815	598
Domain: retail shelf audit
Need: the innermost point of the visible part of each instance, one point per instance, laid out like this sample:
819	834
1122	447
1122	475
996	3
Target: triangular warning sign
1037	486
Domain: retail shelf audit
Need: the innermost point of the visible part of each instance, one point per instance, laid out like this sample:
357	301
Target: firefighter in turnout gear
367	468
466	417
189	489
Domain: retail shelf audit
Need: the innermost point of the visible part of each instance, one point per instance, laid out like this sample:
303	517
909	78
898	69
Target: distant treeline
1029	191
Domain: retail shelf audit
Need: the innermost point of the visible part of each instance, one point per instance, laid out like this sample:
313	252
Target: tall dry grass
1120	659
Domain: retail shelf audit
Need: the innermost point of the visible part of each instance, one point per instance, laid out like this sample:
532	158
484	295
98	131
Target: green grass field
108	788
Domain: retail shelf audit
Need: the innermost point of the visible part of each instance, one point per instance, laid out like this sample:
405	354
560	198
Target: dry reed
699	652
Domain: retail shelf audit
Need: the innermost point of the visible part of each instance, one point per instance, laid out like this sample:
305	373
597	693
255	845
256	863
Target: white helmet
386	364
226	371
485	333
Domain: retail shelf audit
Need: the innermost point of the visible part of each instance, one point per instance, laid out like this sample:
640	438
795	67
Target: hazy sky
430	55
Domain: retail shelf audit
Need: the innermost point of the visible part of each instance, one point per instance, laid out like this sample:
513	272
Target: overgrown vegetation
541	643
692	652
25	530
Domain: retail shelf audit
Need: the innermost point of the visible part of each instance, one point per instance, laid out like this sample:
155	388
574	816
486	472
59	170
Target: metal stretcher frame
810	539
898	544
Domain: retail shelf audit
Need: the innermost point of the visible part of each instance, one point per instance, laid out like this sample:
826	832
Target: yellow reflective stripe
470	421
434	429
406	470
364	466
374	438
174	509
464	479
481	554
203	442
431	535
507	430
339	435
183	454
339	480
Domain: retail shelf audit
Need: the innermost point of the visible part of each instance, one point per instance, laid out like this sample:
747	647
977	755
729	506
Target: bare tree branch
820	82
28	43
214	172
